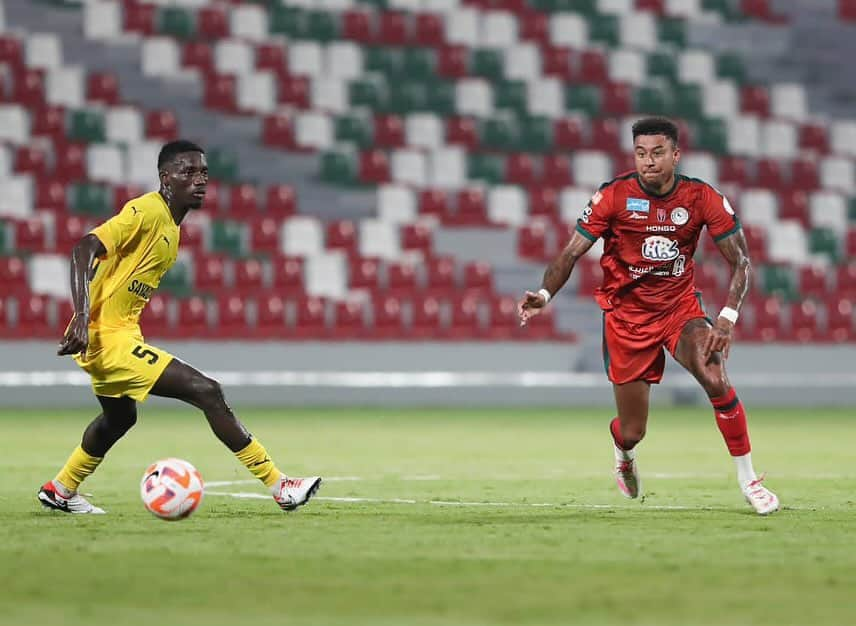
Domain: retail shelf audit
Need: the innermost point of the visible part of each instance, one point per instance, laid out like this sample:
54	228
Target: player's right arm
82	259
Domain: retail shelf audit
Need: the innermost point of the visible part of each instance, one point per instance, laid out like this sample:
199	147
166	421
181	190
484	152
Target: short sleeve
596	216
123	230
718	215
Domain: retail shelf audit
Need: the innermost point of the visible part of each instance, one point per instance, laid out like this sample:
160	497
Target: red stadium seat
365	274
541	327
617	99
342	235
193	236
504	323
452	61
769	174
756	240
212	22
755	99
556	171
804	175
591	276
13	276
708	279
847	10
373	167
427	321
220	93
605	135
465	322
48	121
471	209
478	279
429	30
845	279
356	26
768	325
273	58
288	275
557	62
401	279
311	320
593	67
270	320
69	230
350	320
535	26
532	242
161	125
30	235
433	202
198	55
50	195
249	277
102	87
462	131
64	312
544	202
850	243
392	29
418	237
277	131
192	317
11	51
388	131
793	205
734	170
839	319
568	134
210	274
814	137
294	90
34	317
761	9
139	18
123	193
264	235
6	329
231	317
30	160
281	201
520	170
243	201
654	6
440	277
388	319
29	89
214	197
804	323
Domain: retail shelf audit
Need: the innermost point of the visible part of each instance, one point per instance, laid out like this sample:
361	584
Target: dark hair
656	126
174	148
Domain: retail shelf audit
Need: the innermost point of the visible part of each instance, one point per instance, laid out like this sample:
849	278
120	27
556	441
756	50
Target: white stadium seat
837	173
498	29
828	209
448	168
787	243
102	21
696	66
572	201
700	165
326	274
568	30
788	101
43	50
16	196
507	204
142	161
64	86
474	96
48	275
615	7
123	124
344	60
379	239
638	31
232	56
842	137
105	163
721	98
396	204
546	97
161	57
6	161
591	168
628	66
759	207
301	236
14	124
409	167
462	27
424	130
780	140
744	135
256	92
306	58
314	130
330	94
249	22
522	61
683	8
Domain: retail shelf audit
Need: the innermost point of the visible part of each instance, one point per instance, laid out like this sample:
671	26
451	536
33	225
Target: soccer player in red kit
650	221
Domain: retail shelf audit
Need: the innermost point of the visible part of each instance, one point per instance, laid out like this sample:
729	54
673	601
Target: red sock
731	419
615	429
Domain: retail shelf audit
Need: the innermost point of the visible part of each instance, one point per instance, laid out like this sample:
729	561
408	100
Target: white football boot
762	499
627	473
291	493
51	498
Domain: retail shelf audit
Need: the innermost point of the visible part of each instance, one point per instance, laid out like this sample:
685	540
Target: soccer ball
171	489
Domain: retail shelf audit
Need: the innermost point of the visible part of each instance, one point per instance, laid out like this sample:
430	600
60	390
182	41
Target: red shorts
635	351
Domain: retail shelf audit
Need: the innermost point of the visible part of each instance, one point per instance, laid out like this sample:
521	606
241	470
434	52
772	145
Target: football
171	489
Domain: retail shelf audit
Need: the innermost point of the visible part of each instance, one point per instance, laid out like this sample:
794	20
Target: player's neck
662	190
178	213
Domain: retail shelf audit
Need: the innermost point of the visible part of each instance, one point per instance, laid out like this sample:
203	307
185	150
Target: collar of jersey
658	195
166	208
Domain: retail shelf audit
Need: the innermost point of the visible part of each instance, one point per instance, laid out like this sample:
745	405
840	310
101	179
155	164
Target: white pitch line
450	503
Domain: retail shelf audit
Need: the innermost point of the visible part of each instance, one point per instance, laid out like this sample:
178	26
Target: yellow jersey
142	244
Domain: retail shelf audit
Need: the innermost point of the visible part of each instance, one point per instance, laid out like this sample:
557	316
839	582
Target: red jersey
649	242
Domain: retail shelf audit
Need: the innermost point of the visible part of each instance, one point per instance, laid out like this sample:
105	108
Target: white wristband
546	295
730	314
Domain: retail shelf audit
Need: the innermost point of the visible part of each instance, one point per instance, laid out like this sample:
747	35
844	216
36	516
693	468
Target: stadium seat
465	322
161	125
416	237
271	317
364	274
192	320
427	318
401	279
34	317
804	326
102	87
210	274
231	317
249	277
839	315
532	242
388	318
13	275
342	235
440	277
349	320
31	235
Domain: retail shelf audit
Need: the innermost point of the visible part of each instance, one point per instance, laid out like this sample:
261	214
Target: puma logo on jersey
165	239
657	248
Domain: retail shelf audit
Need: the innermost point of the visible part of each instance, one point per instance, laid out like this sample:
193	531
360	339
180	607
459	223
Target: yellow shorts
122	364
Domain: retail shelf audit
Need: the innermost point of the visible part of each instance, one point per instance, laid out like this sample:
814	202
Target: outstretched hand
718	338
530	306
76	338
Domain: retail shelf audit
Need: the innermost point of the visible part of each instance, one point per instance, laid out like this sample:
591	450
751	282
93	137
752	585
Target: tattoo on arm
735	251
559	270
82	258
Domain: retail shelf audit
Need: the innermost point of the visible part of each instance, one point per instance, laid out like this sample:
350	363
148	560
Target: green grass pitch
531	528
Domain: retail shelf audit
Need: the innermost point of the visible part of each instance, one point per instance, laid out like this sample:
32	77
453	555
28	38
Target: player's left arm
734	249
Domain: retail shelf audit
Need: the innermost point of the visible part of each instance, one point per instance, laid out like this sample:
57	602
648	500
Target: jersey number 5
142	353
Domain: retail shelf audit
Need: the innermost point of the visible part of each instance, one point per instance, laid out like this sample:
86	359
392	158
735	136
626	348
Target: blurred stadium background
390	174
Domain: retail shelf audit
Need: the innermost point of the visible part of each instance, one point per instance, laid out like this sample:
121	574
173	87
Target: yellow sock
256	459
77	468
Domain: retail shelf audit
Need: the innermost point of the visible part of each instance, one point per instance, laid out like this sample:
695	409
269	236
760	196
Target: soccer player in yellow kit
114	270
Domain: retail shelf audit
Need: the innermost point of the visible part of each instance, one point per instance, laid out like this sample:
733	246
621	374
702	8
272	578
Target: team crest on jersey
661	215
658	248
680	216
638	205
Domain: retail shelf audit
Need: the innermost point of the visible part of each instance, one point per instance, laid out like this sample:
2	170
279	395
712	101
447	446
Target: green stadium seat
688	102
86	126
673	31
654	100
605	29
418	64
486	167
406	98
824	241
228	237
726	8
851	210
387	61
487	63
780	281
222	165
583	98
176	22
586	7
500	133
441	98
663	65
510	94
321	26
711	135
378	4
354	129
4	238
536	134
339	167
91	199
286	21
177	279
368	92
731	66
